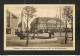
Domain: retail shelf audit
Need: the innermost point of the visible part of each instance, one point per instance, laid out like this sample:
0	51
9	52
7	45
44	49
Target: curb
43	40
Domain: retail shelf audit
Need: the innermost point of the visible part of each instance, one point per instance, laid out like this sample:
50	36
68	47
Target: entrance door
8	31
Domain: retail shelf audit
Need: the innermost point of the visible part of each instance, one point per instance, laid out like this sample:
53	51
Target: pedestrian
53	35
49	34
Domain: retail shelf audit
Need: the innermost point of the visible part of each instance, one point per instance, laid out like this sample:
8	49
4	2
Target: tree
68	13
29	10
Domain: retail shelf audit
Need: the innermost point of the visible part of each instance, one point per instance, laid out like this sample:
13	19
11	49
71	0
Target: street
42	42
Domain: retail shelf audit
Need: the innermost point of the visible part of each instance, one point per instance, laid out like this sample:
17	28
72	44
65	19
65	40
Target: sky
42	11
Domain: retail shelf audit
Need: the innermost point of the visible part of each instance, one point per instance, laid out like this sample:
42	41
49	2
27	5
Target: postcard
39	27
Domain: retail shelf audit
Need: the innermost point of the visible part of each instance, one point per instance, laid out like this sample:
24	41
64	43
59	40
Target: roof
8	12
45	19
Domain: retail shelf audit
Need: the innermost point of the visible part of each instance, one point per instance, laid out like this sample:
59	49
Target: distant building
46	24
11	23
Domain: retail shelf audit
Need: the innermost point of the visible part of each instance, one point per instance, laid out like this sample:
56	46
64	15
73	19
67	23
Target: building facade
47	24
11	23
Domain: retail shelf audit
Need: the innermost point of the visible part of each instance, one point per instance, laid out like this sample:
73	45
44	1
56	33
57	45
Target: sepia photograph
39	27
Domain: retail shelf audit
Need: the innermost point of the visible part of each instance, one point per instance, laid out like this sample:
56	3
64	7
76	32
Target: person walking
53	35
49	34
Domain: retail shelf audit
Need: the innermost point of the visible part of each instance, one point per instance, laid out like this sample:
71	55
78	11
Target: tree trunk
27	33
66	32
72	27
60	21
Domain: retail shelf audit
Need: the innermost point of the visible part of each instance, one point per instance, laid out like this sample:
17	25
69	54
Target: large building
11	23
46	24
